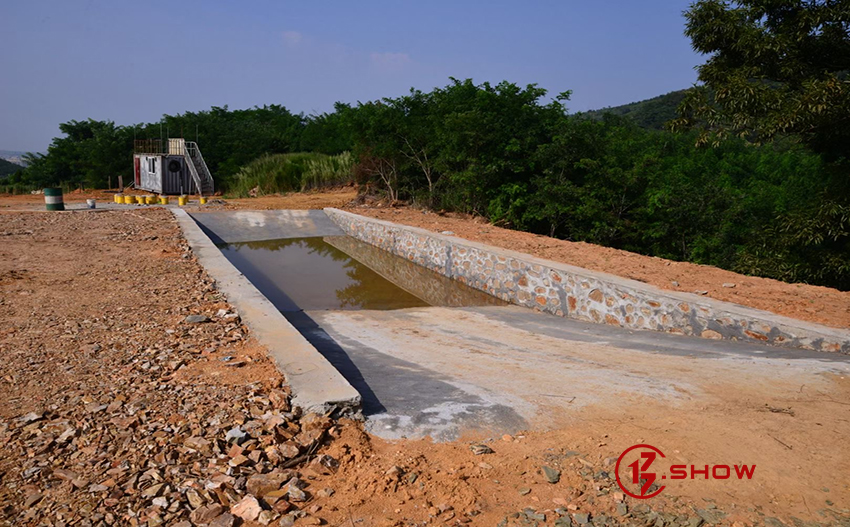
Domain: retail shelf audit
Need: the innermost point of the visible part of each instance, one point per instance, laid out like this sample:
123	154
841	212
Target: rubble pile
160	452
133	394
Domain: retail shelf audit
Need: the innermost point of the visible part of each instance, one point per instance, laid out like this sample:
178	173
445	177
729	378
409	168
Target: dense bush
275	173
500	152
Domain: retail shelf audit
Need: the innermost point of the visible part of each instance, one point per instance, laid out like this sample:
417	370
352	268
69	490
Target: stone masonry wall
432	287
573	292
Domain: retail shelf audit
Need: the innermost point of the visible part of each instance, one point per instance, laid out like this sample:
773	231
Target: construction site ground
119	407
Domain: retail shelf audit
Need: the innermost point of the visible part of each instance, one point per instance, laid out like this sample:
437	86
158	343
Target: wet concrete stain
404	399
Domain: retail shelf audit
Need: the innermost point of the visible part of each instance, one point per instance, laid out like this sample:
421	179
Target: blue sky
134	61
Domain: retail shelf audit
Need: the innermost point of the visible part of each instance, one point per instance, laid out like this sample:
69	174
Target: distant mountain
650	114
13	156
7	168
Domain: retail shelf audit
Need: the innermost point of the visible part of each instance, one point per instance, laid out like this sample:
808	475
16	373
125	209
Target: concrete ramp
448	372
259	225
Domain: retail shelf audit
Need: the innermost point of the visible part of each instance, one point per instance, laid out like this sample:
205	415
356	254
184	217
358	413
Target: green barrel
53	199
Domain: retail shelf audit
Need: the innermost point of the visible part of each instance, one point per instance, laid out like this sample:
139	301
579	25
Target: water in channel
340	272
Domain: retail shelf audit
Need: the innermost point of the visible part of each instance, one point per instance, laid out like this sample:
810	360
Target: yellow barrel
150	200
140	200
129	200
119	198
203	200
182	200
163	200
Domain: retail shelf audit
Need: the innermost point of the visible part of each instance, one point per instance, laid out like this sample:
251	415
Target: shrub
276	173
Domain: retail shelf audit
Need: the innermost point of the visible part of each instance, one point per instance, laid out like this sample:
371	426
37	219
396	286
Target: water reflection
308	273
433	288
340	272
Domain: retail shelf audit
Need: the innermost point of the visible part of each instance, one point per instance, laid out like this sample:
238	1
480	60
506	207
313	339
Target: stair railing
207	176
193	171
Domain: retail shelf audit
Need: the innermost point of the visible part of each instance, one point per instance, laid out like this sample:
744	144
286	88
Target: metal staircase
198	169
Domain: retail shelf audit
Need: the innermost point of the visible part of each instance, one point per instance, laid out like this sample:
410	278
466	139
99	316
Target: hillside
15	156
7	168
650	114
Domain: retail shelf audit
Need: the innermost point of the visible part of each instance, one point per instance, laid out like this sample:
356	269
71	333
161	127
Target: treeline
653	114
503	153
506	153
91	153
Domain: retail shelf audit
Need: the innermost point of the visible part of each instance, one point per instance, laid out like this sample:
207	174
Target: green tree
90	153
487	139
778	69
775	67
328	133
378	147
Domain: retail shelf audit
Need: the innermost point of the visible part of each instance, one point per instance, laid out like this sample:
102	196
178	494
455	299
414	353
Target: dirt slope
805	302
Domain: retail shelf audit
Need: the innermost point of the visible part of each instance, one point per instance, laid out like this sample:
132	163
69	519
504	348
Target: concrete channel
425	355
316	385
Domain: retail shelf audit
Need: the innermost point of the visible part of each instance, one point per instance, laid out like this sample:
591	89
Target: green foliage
91	152
778	70
275	173
651	114
455	147
775	68
811	245
328	133
327	171
501	153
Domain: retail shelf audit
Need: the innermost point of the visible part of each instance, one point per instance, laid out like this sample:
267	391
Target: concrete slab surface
443	372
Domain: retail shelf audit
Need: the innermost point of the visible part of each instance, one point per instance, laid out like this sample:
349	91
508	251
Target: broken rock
225	520
206	513
480	449
262	484
248	509
552	475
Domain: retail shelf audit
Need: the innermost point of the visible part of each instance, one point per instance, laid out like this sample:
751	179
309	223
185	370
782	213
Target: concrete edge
316	385
798	328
